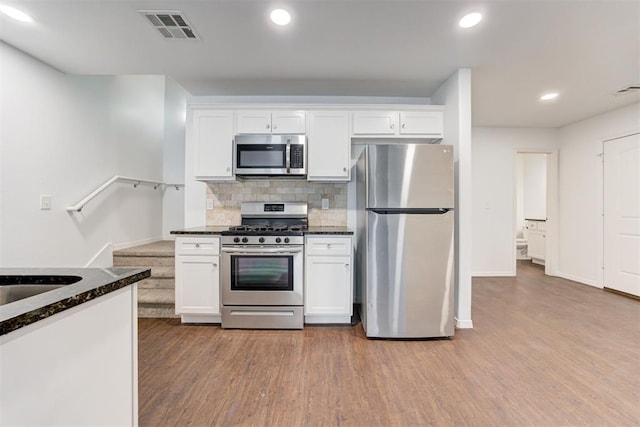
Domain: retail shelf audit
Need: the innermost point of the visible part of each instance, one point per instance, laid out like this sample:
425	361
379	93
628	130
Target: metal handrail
117	178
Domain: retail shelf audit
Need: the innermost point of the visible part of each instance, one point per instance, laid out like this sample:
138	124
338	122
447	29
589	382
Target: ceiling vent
172	24
630	88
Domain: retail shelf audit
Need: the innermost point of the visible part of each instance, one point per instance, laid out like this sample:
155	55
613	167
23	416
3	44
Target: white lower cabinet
198	279
328	293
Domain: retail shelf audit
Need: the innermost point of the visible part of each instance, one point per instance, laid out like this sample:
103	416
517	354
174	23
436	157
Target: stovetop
264	230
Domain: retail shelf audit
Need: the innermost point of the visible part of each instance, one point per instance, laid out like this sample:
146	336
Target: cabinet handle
328	245
267	126
404	126
275	126
197	245
344	169
215	265
393	126
346	265
228	169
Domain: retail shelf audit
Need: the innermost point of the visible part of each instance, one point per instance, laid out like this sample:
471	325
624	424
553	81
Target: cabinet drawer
197	246
332	246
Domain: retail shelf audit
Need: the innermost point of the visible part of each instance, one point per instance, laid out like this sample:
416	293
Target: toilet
521	248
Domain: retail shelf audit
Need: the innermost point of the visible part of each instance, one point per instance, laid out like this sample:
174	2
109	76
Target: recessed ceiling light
280	17
549	96
470	20
16	14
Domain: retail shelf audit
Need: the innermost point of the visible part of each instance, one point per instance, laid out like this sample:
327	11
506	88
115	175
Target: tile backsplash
227	197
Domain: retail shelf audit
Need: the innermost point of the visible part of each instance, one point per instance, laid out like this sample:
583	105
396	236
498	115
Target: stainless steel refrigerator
405	261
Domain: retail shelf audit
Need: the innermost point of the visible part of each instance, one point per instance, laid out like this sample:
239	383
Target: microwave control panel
297	156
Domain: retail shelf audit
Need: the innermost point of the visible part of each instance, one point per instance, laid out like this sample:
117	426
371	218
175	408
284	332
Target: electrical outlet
45	202
325	203
209	204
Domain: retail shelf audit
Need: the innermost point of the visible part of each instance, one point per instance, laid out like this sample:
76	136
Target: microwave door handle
288	156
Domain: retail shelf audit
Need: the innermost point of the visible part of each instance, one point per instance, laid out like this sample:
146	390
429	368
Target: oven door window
261	156
261	273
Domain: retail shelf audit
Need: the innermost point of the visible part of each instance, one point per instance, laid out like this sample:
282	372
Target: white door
622	214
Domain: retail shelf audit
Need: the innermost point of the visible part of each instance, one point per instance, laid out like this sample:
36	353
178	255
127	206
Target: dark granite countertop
217	229
209	229
95	282
328	230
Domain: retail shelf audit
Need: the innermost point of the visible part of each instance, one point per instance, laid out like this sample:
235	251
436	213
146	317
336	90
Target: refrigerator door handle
423	211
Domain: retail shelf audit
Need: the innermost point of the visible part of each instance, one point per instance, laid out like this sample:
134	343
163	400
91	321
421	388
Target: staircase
156	295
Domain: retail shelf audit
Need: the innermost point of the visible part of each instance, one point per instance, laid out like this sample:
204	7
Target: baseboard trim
464	323
579	280
106	254
127	245
327	319
493	274
201	318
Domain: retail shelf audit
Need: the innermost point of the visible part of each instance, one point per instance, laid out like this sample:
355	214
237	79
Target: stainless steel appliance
269	155
262	267
405	240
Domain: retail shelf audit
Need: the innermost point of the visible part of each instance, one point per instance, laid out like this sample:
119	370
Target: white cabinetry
536	235
212	133
280	122
328	293
329	146
398	124
198	279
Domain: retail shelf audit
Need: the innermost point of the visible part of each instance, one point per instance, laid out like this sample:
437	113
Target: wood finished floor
544	351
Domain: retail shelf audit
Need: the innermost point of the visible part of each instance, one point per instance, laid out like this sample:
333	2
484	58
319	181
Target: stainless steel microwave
270	155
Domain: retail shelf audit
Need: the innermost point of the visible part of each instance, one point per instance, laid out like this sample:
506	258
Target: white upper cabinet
375	123
328	146
280	122
212	133
397	124
421	123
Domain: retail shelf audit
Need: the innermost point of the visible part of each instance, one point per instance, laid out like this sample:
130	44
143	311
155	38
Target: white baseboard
493	274
580	280
103	258
326	319
200	318
126	245
464	323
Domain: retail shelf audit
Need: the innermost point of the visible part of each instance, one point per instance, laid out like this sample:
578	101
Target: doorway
535	208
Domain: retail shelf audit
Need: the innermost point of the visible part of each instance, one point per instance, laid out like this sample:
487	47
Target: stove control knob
261	240
236	239
286	240
245	240
278	240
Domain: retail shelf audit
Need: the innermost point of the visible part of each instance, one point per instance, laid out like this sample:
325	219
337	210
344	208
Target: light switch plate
325	203
45	202
209	204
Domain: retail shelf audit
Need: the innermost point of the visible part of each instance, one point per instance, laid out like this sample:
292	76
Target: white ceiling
585	50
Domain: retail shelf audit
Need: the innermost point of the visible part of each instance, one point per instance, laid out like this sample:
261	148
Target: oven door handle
263	251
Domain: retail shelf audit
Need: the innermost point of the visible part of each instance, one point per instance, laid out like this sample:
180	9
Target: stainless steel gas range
262	267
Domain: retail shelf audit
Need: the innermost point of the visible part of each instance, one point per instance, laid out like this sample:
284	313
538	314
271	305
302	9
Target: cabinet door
254	122
375	123
213	136
328	285
197	284
421	123
286	122
536	246
329	146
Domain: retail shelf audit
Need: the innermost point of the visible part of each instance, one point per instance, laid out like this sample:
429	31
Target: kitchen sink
17	287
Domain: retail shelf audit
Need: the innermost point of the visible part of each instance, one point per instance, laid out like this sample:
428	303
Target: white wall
455	95
581	191
493	188
173	161
63	136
